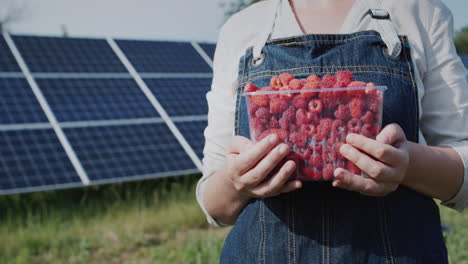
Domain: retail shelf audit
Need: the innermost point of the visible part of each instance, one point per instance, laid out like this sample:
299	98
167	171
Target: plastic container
315	123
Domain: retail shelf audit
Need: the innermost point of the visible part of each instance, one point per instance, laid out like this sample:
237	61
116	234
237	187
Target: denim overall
319	223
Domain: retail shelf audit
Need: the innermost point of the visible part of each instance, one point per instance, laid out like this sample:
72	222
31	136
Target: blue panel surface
18	103
158	56
465	60
33	158
127	151
209	49
181	97
96	99
193	133
53	54
7	61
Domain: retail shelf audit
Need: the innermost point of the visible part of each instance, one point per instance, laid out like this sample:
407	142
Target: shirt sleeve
221	106
444	119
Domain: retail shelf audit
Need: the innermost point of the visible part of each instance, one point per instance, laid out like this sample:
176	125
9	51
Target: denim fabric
319	223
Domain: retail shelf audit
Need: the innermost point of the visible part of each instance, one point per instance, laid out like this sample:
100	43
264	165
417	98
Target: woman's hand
385	160
248	164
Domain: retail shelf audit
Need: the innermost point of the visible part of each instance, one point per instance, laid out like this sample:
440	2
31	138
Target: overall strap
381	18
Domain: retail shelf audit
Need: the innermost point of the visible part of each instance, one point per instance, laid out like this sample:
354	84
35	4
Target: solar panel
465	60
7	61
209	49
127	151
96	99
173	57
181	97
33	159
18	104
53	54
193	132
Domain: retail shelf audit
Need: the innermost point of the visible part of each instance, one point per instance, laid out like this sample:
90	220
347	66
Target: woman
389	217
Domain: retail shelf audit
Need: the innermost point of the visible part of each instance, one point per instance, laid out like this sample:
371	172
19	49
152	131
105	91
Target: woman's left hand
385	160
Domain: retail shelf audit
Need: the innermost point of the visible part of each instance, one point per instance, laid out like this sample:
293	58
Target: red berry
250	87
307	130
305	91
338	153
290	113
275	83
351	167
359	92
317	175
303	117
328	155
357	84
328	171
328	81
368	130
297	139
330	99
354	125
316	146
284	123
344	77
299	101
273	123
252	109
304	153
315	106
278	105
286	95
374	102
316	160
340	164
263	114
282	134
296	84
355	107
286	78
257	126
342	113
324	128
313	78
368	117
261	99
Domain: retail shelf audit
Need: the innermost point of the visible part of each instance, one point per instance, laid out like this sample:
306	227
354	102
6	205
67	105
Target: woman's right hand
248	165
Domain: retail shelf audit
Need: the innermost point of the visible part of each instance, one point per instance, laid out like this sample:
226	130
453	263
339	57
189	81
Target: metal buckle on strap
379	13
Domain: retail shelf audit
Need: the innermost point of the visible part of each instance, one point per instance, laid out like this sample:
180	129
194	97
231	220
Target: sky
197	20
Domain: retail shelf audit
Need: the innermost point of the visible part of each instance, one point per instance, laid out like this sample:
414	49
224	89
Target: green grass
156	221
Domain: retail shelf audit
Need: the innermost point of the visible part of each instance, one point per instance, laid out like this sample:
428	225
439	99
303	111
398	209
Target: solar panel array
75	113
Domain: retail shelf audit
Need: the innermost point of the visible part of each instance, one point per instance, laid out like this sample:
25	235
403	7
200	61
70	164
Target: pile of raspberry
315	121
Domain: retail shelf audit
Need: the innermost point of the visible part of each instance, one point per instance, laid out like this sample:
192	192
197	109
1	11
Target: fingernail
290	166
273	138
350	138
337	172
283	149
345	149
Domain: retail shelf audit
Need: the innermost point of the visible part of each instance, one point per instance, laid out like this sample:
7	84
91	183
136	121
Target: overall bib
320	223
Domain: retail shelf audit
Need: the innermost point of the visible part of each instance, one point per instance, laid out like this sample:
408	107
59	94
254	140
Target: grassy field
155	221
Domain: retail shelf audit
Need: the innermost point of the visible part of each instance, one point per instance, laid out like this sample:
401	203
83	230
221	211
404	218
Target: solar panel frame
193	131
209	49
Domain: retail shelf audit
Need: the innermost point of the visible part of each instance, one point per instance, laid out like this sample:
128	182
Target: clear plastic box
315	123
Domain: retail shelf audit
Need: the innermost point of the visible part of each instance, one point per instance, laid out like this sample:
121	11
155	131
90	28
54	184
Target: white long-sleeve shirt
440	75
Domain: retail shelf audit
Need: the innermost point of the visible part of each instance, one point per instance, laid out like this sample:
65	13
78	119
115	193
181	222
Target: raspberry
290	113
344	77
296	84
299	101
356	93
308	173
340	164
317	175
374	102
354	125
367	130
309	86
286	78
328	155
331	141
370	84
250	87
284	123
313	78
316	160
324	128
368	117
316	146
304	154
263	114
297	139
338	153
342	113
252	109
328	171
273	123
303	117
261	99
286	96
355	107
315	106
307	130
282	134
328	81
338	128
351	167
278	105
257	126
275	83
330	99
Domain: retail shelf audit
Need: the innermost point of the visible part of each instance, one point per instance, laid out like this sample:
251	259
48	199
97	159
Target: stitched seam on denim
328	232
326	40
293	226
309	67
239	88
261	248
387	235
274	41
415	99
323	232
382	231
287	230
383	72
